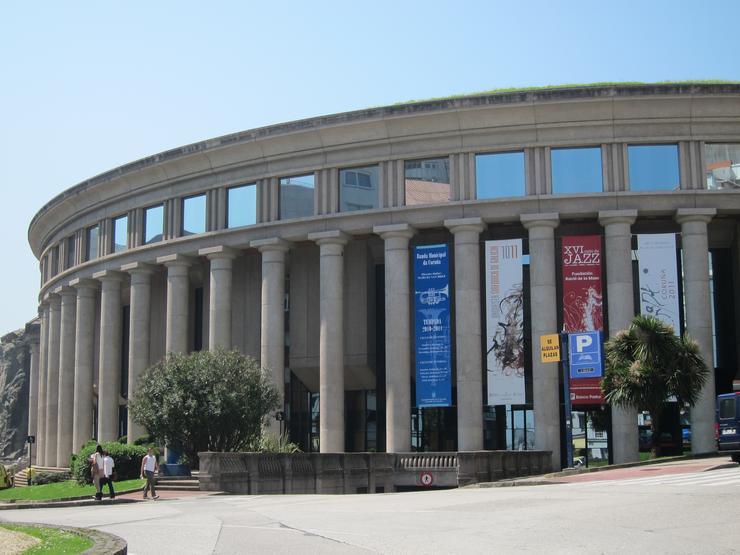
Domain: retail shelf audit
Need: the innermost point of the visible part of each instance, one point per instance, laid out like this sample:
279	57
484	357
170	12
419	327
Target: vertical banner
656	254
582	299
432	325
582	304
505	322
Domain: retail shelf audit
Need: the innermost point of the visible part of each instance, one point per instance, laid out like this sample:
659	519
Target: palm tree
646	364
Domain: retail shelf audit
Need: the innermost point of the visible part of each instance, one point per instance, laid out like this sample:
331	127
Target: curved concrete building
301	244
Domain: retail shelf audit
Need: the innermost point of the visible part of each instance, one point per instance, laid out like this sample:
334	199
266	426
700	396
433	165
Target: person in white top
97	469
149	466
108	466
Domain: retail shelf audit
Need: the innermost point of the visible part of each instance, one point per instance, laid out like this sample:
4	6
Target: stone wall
334	473
15	364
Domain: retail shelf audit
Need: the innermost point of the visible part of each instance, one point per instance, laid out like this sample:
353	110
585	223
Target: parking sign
584	349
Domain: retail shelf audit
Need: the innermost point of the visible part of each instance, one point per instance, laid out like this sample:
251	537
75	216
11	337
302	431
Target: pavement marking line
693	478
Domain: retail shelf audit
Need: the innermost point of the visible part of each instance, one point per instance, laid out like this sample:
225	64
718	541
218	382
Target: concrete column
469	364
397	336
272	336
695	245
52	381
219	311
139	327
66	375
178	296
625	441
82	419
33	395
109	367
545	386
331	339
43	364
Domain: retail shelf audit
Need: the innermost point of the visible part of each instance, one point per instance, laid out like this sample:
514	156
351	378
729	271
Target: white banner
656	255
505	322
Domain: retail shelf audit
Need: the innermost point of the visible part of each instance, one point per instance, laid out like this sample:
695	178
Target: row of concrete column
63	416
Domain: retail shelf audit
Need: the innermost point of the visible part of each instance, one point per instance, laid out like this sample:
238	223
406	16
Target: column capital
84	283
219	252
138	268
271	244
457	225
334	237
53	299
65	292
177	259
549	219
404	231
685	215
607	217
108	275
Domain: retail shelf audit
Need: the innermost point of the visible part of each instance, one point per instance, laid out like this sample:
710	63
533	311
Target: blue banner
432	325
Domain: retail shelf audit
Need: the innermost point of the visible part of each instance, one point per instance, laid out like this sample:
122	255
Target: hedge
127	460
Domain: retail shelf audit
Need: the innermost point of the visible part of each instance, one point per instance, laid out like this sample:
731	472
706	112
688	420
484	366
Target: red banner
582	283
582	302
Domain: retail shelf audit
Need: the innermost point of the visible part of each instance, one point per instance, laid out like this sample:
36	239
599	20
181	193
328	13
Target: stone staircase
178	483
21	477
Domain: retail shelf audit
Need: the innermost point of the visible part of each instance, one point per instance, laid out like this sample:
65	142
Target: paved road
669	511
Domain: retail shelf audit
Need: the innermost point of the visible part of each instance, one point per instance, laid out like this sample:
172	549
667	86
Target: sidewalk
679	465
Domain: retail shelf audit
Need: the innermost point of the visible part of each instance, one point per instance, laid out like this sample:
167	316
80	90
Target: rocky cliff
15	365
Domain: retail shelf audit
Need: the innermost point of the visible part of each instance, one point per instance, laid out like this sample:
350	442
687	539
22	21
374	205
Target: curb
104	543
48	503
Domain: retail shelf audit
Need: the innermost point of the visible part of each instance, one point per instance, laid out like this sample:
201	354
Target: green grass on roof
571	86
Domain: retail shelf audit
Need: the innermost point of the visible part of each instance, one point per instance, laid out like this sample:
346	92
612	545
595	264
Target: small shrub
4	477
127	460
41	478
269	443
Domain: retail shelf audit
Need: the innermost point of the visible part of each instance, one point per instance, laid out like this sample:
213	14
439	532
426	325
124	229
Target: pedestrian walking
97	470
149	466
108	466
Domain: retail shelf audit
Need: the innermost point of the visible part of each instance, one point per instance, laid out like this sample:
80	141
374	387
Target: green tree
205	401
646	364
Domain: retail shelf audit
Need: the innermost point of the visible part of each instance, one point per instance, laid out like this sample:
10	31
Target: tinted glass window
119	241
153	224
242	206
499	175
92	243
653	167
427	181
727	408
358	189
194	215
55	261
71	251
723	166
296	196
576	170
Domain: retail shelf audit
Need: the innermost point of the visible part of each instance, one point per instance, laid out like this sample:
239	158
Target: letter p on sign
583	341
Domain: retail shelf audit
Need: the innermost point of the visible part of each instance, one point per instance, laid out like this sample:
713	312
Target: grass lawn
52	540
63	490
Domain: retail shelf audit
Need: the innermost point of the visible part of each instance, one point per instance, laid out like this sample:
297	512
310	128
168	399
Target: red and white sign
426	479
582	303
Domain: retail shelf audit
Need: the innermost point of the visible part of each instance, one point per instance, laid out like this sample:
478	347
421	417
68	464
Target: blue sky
88	86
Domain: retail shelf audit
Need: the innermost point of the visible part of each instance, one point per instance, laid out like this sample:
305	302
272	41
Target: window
727	408
71	251
427	181
296	196
119	241
54	261
723	166
358	189
576	170
91	241
241	205
499	175
193	215
653	167
153	224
